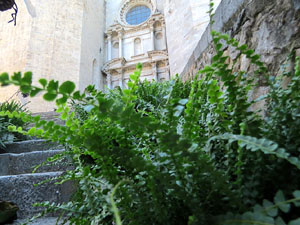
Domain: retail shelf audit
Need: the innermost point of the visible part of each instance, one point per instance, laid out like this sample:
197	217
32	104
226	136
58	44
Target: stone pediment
114	64
158	55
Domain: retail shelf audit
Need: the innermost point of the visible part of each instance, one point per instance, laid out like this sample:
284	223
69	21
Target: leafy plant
266	214
5	121
175	152
3	132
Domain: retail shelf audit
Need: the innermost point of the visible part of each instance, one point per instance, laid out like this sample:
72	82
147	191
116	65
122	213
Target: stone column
152	37
121	72
109	48
109	81
168	71
120	44
154	71
164	33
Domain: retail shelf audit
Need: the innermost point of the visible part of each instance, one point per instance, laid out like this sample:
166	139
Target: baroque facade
137	35
98	42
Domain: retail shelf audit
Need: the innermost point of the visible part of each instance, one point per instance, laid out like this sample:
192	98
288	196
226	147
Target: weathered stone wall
59	43
186	21
50	47
14	44
92	43
270	27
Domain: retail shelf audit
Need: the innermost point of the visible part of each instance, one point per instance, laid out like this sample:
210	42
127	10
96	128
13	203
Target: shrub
5	121
174	152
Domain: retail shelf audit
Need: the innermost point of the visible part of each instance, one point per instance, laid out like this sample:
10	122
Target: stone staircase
17	180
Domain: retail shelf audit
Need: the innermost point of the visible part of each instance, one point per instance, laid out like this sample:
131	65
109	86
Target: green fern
267	214
254	144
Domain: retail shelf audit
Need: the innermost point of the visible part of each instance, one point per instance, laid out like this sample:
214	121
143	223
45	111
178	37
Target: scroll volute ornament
6	4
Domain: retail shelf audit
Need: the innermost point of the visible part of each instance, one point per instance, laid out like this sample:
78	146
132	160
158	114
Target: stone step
41	221
20	190
49	116
24	163
31	146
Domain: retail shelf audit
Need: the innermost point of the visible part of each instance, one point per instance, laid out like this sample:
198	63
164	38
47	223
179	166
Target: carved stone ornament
129	4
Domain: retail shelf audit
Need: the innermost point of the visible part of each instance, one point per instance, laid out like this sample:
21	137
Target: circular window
138	15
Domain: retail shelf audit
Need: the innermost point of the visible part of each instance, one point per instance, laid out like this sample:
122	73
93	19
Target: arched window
138	15
137	46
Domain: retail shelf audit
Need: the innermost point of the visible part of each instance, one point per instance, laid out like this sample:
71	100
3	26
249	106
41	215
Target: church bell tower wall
14	45
63	40
186	22
92	43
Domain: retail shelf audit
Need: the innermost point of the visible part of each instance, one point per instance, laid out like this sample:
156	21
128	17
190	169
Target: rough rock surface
270	27
43	221
17	181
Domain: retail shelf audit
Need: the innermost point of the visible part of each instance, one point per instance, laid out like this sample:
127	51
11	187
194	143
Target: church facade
138	34
99	42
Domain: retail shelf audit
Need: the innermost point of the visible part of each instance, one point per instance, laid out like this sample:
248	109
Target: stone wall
186	21
60	43
14	44
92	43
270	27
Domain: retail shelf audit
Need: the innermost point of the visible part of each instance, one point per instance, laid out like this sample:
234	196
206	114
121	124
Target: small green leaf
133	77
62	100
31	132
37	118
249	52
27	79
183	101
43	82
69	123
25	89
296	194
243	47
67	87
52	86
16	77
64	116
255	57
295	222
12	128
270	208
49	96
4	77
279	221
139	66
219	46
39	132
279	199
76	95
35	91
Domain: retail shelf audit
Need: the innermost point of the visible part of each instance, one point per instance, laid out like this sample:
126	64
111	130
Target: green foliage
267	214
3	132
12	108
266	146
177	152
